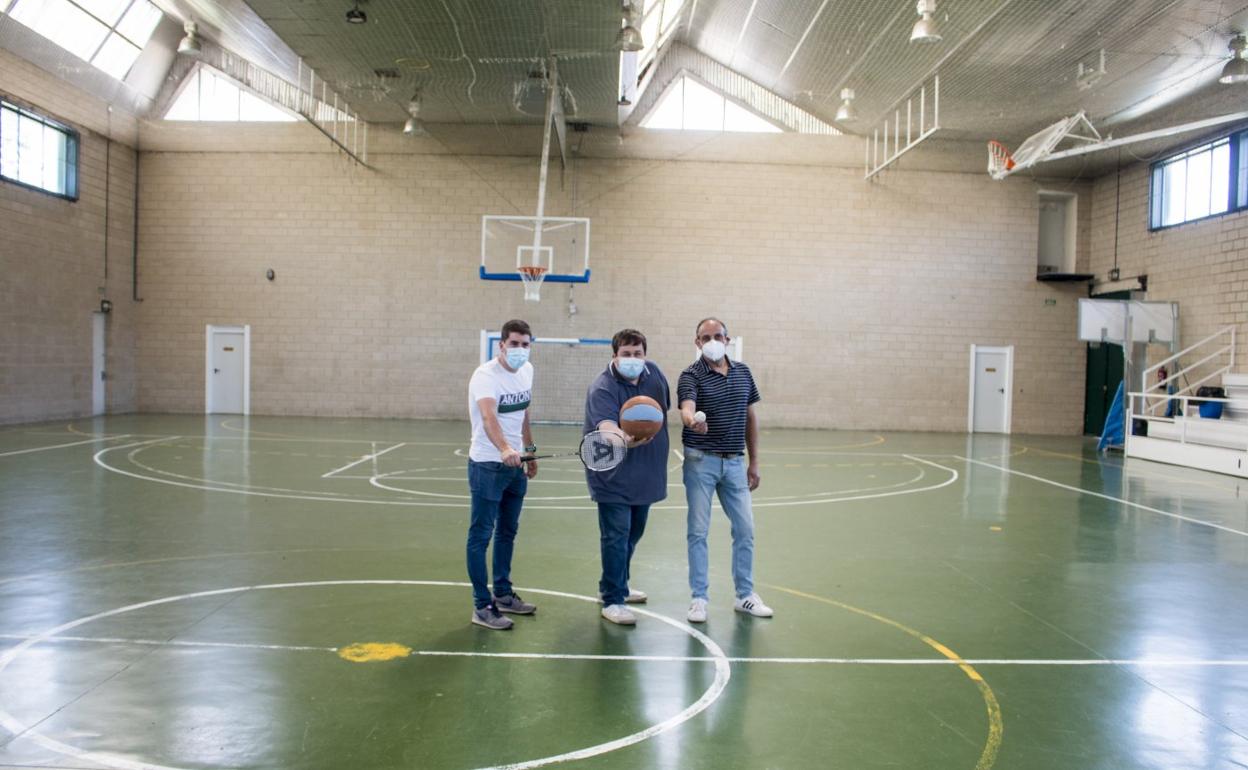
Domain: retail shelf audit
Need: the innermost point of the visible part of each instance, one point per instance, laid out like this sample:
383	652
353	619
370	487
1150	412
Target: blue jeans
620	526
497	495
706	474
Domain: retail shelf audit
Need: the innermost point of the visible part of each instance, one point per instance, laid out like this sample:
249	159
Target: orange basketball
641	417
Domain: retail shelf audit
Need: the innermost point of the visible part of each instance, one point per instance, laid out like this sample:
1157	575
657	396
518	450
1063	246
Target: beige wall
52	264
858	301
1201	265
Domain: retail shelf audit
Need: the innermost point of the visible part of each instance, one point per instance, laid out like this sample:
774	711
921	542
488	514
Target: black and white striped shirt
725	401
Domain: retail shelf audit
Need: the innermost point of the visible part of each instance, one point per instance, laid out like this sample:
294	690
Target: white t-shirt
512	391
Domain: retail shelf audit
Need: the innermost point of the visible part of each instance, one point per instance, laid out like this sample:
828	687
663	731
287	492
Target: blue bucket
1211	410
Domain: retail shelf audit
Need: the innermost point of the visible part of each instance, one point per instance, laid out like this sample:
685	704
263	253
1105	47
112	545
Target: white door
97	363
990	394
227	358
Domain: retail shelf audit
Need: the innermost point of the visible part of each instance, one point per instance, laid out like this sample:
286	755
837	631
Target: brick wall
1202	265
858	302
52	262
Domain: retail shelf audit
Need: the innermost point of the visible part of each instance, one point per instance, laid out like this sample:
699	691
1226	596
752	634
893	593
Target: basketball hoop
1000	161
532	276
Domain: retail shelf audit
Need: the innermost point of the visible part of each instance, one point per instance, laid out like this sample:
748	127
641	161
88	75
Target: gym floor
208	592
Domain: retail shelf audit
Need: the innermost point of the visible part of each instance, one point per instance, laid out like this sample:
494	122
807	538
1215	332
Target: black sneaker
489	617
514	605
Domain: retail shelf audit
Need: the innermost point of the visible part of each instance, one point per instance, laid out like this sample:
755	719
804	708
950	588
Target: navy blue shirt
724	399
642	478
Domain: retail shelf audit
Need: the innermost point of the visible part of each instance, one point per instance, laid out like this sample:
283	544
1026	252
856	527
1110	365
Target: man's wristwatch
530	449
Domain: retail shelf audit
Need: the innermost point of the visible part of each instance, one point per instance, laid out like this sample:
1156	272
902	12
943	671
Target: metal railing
1220	343
922	121
1181	418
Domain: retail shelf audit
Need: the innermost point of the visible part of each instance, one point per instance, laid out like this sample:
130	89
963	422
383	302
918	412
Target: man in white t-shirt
498	405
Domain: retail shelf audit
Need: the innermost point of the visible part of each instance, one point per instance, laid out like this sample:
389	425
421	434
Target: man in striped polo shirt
724	392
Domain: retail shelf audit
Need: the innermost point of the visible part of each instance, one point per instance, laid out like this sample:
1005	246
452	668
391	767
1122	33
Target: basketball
641	417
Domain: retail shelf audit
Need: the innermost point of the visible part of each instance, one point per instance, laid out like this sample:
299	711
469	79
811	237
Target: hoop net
532	276
1000	162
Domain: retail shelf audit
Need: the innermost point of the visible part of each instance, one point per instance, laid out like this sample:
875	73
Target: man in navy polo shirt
725	393
624	494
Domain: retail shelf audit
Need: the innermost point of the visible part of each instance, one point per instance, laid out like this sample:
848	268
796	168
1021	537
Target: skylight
691	106
659	19
108	33
210	96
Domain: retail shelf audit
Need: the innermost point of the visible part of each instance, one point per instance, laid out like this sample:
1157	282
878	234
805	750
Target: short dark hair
628	337
517	326
698	329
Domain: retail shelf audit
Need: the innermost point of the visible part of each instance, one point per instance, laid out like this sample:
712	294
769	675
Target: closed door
226	360
1104	373
991	380
98	358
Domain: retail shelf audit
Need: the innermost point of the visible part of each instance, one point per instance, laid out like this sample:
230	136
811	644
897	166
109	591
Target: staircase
1186	438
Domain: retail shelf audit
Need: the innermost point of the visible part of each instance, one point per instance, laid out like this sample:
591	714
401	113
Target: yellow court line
1022	451
248	431
996	727
876	441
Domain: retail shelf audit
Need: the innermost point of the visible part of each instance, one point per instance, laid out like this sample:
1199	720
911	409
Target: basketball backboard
559	245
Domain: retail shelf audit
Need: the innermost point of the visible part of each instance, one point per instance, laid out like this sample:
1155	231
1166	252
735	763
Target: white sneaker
753	605
697	611
619	614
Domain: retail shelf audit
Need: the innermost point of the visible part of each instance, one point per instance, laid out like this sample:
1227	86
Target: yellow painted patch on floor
370	652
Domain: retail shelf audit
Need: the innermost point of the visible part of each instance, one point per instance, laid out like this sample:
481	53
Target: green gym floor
191	592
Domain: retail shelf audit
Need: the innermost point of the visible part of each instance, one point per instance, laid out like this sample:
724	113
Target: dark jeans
497	495
620	526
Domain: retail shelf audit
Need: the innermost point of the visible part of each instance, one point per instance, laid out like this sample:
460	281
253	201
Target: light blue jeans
706	474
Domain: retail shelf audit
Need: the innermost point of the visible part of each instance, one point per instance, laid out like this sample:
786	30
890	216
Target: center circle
709	696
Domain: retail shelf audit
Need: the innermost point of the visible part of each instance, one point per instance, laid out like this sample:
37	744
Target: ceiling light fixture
629	38
414	126
190	44
846	111
356	16
1236	70
926	30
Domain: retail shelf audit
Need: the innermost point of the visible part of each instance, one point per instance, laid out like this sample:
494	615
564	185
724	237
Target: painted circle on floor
709	696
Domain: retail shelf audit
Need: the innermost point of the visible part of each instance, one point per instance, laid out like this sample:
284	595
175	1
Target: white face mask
630	368
516	357
713	350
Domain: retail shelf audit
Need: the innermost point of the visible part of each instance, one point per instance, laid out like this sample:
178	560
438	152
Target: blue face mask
516	357
630	368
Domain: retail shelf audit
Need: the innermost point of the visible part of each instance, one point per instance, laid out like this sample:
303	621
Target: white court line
446	500
61	446
1141	506
22	731
98	458
1155	662
679	454
371	456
